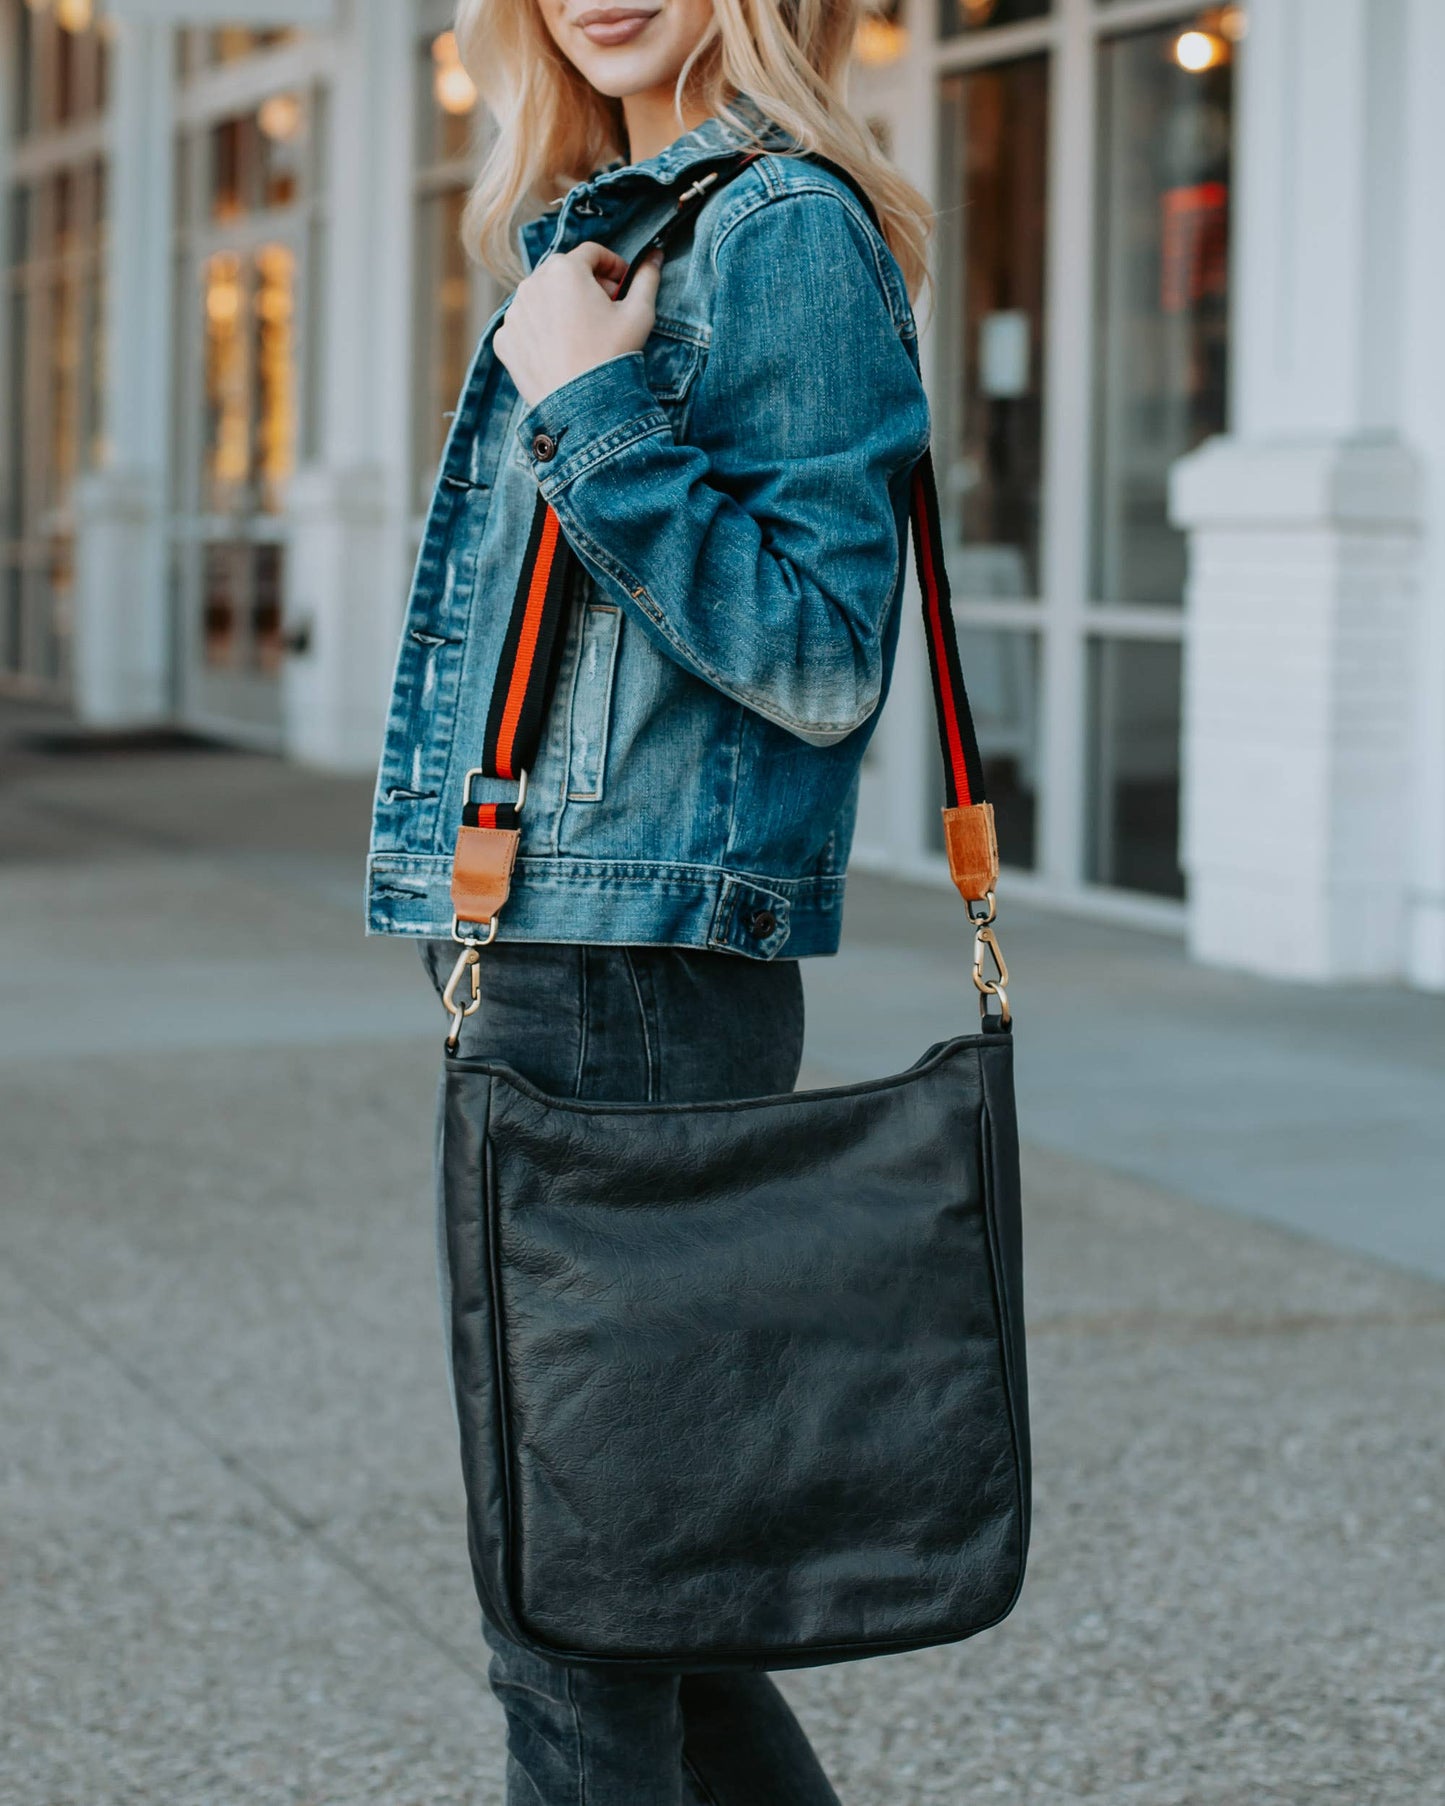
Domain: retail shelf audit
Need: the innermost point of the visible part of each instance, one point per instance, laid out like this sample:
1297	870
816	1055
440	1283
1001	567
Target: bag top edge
939	1054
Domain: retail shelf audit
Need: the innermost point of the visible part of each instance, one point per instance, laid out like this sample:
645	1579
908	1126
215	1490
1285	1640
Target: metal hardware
477	772
985	945
990	902
470	961
471	940
700	186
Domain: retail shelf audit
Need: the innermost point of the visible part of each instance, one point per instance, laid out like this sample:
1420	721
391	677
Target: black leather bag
741	1385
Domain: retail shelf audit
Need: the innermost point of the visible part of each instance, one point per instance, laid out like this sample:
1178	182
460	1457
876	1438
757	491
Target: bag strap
549	580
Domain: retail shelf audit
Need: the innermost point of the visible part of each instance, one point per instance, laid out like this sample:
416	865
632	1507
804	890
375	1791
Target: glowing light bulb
1198	51
281	117
456	92
878	42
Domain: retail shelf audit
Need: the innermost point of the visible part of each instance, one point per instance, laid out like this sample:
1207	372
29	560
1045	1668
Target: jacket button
544	447
762	924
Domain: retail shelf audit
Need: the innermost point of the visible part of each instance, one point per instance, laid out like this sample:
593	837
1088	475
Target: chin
619	76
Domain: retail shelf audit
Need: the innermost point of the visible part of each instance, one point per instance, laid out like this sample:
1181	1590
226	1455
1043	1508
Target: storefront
239	314
1082	167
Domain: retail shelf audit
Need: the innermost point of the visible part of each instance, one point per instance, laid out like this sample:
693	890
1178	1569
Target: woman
727	448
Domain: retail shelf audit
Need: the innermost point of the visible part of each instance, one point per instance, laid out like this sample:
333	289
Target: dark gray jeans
640	1024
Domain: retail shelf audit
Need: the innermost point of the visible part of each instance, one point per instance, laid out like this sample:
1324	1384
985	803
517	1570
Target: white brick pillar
1298	704
1422	354
1307	522
122	634
350	552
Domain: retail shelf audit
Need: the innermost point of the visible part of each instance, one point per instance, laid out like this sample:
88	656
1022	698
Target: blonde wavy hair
553	129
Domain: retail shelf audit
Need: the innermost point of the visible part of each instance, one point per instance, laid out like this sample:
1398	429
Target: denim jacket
737	492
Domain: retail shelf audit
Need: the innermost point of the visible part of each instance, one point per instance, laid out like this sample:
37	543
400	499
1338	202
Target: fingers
605	265
641	298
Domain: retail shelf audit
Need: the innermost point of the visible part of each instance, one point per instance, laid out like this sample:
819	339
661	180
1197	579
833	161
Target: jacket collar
621	190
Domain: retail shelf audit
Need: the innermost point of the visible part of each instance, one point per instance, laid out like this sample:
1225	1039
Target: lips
615	24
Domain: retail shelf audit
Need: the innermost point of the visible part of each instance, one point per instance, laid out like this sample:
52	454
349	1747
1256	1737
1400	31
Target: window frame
1069	623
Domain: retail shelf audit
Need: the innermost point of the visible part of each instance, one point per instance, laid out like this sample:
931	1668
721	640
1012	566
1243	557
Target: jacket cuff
588	420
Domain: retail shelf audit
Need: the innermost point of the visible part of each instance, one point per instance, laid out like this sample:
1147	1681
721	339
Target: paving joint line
244	1470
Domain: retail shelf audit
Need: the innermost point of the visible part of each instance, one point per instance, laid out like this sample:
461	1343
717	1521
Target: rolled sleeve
588	420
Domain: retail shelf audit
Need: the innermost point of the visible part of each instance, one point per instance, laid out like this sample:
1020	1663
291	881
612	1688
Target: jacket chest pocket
591	712
672	360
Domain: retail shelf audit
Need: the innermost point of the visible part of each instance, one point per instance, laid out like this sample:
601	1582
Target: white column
1305	570
349	551
1423	354
897	822
122	629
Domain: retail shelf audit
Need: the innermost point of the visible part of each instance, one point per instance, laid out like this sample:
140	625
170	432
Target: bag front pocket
591	711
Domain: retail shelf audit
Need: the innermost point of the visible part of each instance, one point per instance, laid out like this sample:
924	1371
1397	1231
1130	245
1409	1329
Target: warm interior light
73	16
1234	23
281	117
1198	51
978	12
878	41
455	90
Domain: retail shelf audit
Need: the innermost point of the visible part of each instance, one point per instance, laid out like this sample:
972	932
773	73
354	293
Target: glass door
994	142
52	347
1081	346
1161	366
245	266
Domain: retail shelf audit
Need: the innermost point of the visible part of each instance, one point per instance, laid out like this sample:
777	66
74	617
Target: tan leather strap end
482	872
972	842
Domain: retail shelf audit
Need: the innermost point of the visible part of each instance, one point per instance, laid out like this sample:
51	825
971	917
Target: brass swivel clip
986	947
470	961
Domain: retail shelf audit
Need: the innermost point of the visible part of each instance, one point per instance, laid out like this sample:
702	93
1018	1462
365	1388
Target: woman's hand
563	320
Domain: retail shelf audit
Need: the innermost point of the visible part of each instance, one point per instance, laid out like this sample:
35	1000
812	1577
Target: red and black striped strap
527	671
963	780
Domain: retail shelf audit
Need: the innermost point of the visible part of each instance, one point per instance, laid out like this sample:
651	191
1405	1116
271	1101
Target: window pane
1001	670
282	151
955	16
12	616
227	434
27	73
1134	790
221	610
230	141
447	103
267	593
273	304
66	372
444	325
19	466
995	129
1163	282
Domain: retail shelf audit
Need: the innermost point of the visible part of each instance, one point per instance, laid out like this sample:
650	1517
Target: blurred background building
1185	360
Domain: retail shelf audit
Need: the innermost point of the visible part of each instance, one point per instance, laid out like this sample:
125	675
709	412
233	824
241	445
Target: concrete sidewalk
231	1548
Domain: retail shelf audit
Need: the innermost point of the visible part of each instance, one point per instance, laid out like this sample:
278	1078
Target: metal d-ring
477	772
